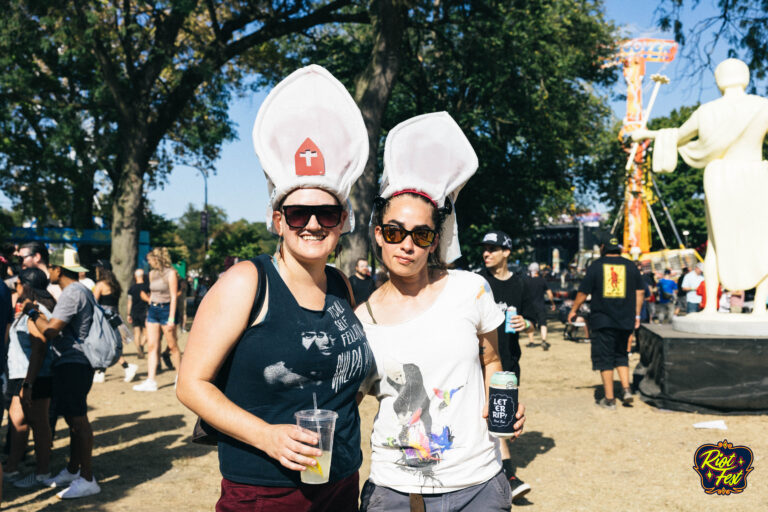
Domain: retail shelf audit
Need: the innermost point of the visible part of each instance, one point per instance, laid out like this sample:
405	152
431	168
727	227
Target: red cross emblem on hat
309	160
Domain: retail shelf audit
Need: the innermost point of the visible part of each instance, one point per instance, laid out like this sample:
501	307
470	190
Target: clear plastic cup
322	422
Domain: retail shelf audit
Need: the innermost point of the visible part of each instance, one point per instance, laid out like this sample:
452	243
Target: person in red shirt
701	290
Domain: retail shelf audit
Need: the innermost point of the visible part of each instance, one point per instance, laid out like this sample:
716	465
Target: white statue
729	147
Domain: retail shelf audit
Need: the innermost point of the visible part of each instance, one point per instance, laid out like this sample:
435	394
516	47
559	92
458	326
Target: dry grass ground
575	455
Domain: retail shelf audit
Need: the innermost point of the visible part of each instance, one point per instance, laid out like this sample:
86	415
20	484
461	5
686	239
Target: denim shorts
493	495
158	313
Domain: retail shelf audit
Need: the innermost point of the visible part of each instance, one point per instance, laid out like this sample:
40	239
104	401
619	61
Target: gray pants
490	496
665	311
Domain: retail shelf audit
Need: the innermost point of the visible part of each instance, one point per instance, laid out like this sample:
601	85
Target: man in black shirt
617	293
362	284
508	290
536	288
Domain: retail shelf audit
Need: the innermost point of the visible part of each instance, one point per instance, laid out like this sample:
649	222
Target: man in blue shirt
665	304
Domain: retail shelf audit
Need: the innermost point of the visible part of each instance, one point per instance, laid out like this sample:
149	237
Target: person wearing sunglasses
277	334
427	325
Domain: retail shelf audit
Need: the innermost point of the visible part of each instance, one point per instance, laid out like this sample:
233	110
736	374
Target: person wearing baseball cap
72	372
617	293
508	291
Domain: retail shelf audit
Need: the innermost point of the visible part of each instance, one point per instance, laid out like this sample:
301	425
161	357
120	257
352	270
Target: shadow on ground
125	460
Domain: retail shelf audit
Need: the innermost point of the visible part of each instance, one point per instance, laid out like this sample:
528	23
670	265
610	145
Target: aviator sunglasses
394	234
298	215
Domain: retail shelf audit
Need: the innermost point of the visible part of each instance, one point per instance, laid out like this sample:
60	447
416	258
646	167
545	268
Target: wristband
33	314
637	317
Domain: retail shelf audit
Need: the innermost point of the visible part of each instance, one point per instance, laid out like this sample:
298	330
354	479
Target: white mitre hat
431	156
309	133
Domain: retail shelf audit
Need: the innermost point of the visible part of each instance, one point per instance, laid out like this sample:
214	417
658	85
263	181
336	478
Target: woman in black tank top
270	363
107	294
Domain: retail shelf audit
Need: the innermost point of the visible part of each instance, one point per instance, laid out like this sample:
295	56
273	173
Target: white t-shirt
692	280
429	435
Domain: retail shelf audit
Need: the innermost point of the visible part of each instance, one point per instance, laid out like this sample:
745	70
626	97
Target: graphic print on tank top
422	439
337	348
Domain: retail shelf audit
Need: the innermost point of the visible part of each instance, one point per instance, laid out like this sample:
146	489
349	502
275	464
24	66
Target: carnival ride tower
632	56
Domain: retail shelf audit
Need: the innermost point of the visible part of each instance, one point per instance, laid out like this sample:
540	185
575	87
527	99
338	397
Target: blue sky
239	186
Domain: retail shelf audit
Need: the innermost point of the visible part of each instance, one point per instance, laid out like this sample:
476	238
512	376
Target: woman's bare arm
220	322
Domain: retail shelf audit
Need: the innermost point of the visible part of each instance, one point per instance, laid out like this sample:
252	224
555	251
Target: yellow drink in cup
321	422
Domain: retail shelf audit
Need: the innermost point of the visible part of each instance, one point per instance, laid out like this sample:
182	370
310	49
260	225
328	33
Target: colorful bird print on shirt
445	396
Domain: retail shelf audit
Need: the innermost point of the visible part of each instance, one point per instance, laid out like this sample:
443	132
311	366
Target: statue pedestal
706	373
724	324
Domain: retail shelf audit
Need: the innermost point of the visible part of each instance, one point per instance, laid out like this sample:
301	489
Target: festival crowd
286	332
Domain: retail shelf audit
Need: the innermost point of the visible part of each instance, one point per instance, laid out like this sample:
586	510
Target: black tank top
279	363
110	300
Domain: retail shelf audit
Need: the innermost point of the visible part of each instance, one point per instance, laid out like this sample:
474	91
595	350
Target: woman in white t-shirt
426	327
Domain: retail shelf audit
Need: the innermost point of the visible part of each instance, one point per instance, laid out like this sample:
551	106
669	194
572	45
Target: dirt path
574	455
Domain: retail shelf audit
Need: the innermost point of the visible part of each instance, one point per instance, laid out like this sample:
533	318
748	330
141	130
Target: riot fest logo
723	468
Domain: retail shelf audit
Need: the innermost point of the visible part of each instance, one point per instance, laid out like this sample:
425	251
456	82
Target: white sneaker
147	385
80	488
98	377
130	372
63	479
32	480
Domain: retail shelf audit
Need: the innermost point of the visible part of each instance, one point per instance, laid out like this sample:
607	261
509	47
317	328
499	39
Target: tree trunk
372	92
125	215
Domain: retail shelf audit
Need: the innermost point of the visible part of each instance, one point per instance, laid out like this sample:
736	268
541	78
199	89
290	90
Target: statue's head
730	73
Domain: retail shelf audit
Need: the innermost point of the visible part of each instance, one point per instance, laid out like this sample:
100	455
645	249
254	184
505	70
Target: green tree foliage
188	229
519	79
138	84
239	239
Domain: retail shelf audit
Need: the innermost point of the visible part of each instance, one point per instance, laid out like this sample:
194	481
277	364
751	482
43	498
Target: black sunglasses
298	215
394	234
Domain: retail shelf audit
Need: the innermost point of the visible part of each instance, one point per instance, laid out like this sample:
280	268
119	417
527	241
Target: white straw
314	399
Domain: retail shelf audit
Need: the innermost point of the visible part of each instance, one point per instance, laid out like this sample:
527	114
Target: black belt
159	303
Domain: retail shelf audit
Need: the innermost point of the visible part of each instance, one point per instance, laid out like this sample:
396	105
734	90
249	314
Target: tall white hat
309	133
430	155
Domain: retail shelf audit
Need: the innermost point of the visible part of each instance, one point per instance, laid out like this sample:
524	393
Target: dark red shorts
338	496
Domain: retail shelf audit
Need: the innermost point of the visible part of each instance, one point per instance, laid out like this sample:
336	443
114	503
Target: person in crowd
737	301
181	305
665	303
649	302
361	281
161	315
7	303
536	288
701	291
290	352
617	291
508	290
29	383
85	280
382	276
681	304
138	304
107	294
427	326
71	371
690	284
35	254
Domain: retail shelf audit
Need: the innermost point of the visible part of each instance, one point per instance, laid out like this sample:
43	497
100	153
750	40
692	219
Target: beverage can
508	314
502	404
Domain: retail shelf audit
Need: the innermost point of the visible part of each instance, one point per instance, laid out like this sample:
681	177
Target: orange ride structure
632	56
